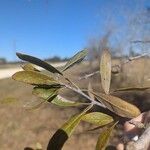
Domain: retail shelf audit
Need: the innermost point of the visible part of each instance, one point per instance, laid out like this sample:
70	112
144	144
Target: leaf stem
79	91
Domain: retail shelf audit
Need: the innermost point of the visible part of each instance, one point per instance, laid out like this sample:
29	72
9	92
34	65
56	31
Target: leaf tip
14	76
18	54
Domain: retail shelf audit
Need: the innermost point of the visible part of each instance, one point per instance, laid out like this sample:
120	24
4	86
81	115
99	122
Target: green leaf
132	89
105	70
72	123
97	118
34	78
45	93
38	62
62	134
77	58
103	139
60	101
118	106
29	67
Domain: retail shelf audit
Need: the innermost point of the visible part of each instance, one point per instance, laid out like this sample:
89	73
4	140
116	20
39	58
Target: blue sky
45	28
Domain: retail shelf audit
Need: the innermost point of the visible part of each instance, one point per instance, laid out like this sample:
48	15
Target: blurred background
54	31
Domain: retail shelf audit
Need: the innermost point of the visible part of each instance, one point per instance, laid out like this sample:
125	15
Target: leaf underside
97	118
104	137
105	70
34	78
62	102
47	93
29	67
118	106
77	58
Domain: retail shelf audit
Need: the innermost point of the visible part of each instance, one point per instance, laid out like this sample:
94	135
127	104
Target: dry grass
20	128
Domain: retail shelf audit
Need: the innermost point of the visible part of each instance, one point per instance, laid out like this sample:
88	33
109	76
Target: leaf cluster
47	88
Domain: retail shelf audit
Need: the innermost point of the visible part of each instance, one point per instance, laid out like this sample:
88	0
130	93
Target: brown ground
20	128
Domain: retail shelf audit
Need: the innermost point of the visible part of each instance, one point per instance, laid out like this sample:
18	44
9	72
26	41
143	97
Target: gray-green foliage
47	88
77	58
